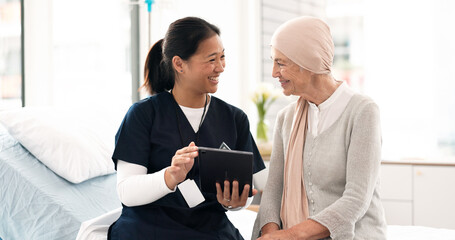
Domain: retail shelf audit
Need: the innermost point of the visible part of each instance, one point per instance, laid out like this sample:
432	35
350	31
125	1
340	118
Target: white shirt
321	117
194	115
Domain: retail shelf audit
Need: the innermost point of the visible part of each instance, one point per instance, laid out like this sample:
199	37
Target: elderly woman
323	180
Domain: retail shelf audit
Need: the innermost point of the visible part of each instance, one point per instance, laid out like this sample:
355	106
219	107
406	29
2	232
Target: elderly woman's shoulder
362	105
360	100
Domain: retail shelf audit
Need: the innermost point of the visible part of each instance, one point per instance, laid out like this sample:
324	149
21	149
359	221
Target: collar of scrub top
191	173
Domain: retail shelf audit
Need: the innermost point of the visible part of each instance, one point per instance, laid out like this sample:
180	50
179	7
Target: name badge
191	193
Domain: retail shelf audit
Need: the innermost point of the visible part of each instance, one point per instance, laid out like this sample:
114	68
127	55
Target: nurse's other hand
181	164
233	200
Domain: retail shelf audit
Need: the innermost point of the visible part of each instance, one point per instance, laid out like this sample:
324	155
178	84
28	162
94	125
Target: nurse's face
293	79
205	66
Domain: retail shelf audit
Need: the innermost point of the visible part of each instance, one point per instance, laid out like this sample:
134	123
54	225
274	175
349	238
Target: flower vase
261	131
263	143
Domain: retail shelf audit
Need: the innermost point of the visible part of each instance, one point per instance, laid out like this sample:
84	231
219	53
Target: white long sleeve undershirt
135	187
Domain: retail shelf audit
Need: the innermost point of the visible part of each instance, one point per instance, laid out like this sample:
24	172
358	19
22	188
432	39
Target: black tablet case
217	165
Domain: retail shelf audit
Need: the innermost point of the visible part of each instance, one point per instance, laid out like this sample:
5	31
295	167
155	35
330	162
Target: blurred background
90	53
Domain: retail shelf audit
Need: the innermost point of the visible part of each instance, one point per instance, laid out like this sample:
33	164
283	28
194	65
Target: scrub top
150	134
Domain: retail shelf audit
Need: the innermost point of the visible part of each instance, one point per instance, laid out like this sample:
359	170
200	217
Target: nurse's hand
182	162
233	200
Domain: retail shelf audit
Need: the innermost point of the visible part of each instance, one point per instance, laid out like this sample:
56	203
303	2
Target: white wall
38	52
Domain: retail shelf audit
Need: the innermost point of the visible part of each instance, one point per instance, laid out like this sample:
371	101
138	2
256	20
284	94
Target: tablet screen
217	165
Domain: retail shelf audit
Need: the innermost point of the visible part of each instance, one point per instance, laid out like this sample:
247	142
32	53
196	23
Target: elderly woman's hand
233	200
306	230
288	234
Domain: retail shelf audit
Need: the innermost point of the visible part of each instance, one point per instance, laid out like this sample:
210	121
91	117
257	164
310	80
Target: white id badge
191	193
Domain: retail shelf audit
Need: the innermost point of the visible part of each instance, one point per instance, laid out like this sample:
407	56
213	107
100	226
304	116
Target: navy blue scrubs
149	136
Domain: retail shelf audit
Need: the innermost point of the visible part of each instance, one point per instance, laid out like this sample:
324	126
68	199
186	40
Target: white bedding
96	229
75	144
35	203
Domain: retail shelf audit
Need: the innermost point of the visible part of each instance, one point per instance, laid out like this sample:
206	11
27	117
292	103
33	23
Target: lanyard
192	171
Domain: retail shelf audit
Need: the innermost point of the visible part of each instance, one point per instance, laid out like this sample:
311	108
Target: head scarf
307	42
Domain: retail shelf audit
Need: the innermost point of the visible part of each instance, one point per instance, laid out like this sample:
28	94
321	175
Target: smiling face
292	77
202	70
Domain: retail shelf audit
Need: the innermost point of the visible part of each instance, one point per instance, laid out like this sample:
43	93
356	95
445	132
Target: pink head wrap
307	42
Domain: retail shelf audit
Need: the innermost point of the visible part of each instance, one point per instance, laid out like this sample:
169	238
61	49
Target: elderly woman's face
292	77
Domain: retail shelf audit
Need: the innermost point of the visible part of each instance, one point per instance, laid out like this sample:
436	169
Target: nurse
156	144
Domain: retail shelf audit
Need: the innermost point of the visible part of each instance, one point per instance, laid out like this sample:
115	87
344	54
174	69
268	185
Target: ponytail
156	72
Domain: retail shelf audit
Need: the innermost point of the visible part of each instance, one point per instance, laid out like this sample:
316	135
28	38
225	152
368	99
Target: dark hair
182	39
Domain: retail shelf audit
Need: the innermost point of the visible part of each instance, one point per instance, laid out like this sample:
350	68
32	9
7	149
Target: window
78	53
409	72
10	54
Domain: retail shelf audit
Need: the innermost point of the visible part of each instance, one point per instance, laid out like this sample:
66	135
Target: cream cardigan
341	168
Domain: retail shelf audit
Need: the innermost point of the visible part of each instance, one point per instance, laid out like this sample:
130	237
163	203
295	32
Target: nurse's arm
135	187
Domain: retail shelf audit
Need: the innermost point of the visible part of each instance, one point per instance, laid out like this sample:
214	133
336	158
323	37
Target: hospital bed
35	203
38	204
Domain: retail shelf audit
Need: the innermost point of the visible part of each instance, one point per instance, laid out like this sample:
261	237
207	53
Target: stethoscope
191	173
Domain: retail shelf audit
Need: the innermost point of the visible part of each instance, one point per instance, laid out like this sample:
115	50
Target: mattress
35	203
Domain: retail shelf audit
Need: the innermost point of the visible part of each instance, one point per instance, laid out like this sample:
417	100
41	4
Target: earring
181	70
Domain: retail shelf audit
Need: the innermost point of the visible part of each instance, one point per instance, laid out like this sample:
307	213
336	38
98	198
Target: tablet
217	165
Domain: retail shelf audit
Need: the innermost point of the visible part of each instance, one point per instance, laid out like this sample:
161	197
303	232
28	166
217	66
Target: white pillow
77	145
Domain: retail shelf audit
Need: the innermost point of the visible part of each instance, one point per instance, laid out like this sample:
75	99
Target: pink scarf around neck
294	204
